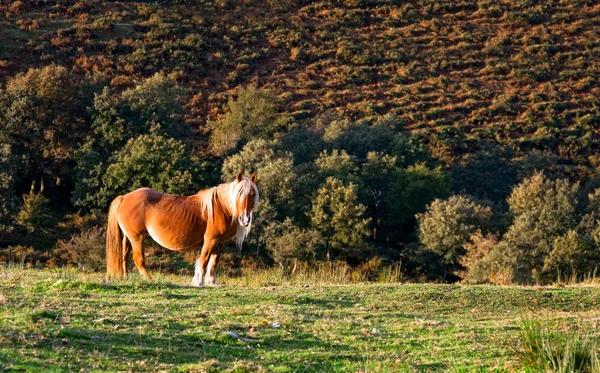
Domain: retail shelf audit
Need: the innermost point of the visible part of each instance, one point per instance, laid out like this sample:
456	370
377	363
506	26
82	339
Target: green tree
573	256
486	174
412	189
149	161
8	202
337	164
252	115
543	210
338	215
448	224
152	107
35	213
43	117
377	175
359	138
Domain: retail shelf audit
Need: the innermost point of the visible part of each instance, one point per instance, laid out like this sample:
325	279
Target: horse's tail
114	241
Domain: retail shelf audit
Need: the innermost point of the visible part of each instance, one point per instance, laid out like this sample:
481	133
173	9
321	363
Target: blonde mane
230	192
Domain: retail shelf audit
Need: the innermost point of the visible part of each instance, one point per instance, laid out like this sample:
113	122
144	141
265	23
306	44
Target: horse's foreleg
202	262
212	266
138	256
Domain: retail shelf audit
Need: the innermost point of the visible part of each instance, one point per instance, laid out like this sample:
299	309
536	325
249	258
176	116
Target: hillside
453	140
522	74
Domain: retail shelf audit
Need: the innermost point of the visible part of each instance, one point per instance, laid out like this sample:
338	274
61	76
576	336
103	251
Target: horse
208	218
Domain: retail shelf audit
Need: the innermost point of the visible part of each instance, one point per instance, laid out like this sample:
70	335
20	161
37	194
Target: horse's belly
173	241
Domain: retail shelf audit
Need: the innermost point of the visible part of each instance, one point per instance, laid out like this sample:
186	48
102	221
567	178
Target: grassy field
70	321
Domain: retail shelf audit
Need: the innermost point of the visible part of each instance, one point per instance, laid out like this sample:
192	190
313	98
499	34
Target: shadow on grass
117	350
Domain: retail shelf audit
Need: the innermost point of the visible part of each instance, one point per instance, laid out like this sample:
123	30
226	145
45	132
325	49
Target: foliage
543	210
412	189
250	116
149	115
8	203
573	257
35	213
286	242
85	249
338	215
358	138
446	226
150	161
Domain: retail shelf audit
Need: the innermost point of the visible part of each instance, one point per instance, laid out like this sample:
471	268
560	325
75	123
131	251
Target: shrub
338	215
286	243
86	249
447	224
150	161
477	258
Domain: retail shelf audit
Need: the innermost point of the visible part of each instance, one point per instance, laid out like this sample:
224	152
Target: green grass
68	321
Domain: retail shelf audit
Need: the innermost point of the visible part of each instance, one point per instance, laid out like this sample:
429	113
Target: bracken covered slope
523	74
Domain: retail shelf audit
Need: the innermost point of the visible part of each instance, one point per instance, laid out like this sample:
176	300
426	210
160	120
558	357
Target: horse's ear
240	177
253	177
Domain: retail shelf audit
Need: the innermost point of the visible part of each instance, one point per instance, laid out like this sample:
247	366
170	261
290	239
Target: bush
286	243
477	258
447	225
150	161
86	249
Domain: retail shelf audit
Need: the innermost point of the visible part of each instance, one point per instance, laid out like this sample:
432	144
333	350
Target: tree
486	174
377	175
337	164
543	210
251	115
43	117
338	215
150	161
359	138
35	213
448	224
152	107
412	189
8	202
573	256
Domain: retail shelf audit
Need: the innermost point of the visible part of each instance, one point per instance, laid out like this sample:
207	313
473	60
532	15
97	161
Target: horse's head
243	198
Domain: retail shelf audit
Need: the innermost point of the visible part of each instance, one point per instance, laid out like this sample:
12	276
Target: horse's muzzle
245	220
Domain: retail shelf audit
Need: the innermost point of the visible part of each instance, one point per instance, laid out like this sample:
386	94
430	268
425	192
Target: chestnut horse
207	218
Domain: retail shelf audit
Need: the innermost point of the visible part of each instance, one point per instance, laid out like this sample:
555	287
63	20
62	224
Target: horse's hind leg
138	255
126	247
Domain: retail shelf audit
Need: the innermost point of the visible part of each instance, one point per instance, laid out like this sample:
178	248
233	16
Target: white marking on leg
198	274
211	278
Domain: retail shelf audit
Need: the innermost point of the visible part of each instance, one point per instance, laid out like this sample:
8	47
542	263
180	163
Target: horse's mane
228	194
